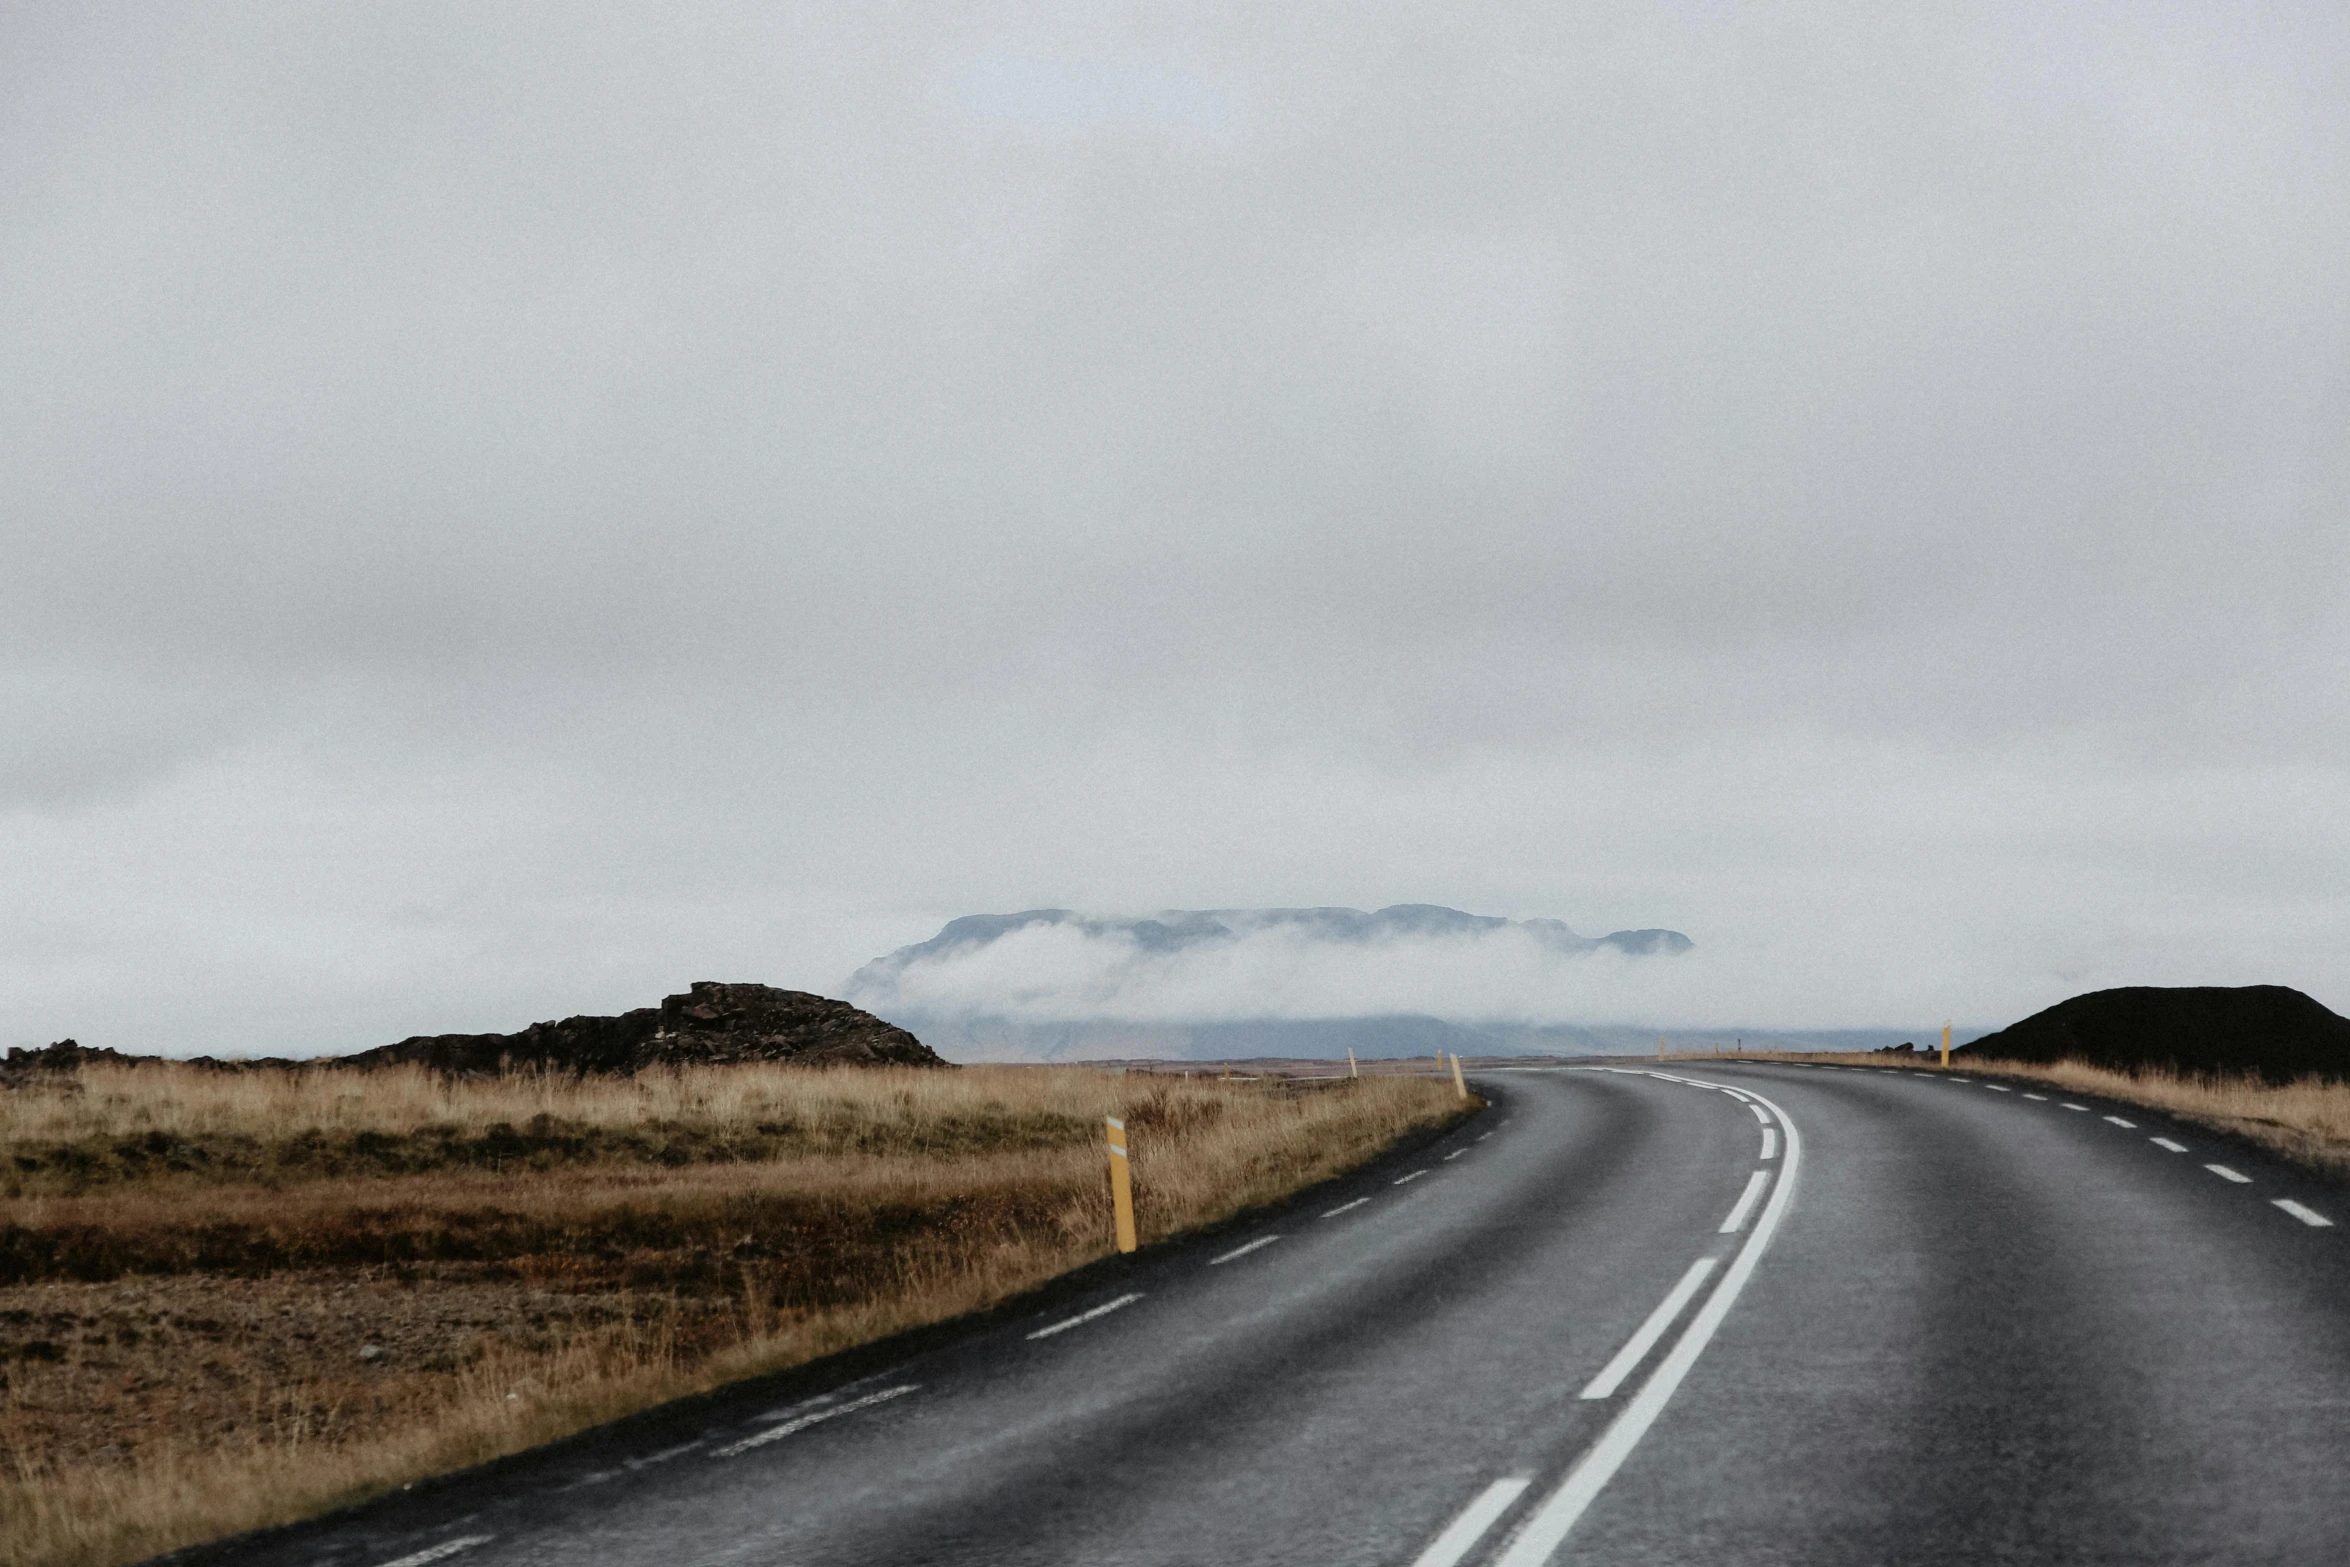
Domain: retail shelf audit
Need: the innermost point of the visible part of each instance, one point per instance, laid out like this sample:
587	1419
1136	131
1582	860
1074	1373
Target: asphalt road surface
1740	1314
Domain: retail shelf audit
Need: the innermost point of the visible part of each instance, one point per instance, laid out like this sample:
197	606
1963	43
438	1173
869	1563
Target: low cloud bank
1193	982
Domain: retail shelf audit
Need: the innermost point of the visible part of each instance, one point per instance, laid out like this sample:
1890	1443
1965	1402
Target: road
1739	1313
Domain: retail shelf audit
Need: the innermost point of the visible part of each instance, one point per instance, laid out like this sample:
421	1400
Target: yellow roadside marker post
1945	1044
1457	1080
1121	1185
1352	1070
1660	1047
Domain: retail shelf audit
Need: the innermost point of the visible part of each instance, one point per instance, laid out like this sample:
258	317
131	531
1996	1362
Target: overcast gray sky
511	509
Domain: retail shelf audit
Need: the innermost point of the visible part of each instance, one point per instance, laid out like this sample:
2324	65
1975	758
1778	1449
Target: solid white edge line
1084	1317
1346	1207
2226	1174
1242	1251
1745	1205
441	1552
1770	1142
1462	1534
1543	1533
2309	1216
732	1449
1643	1339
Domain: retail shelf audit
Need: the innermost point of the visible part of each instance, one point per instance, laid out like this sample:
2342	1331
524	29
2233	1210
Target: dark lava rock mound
2269	1030
710	1025
62	1059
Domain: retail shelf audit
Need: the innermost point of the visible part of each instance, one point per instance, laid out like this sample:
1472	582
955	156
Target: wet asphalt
1951	1324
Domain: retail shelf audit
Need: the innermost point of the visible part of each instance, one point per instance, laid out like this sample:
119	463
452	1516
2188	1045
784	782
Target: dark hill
64	1058
2278	1033
711	1024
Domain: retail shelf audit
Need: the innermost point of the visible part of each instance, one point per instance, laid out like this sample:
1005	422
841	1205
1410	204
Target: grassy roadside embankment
232	1300
2307	1122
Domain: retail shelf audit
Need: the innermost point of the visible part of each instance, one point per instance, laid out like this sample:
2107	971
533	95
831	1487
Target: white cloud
510	511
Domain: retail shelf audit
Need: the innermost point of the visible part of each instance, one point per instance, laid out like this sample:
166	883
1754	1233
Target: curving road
1724	1313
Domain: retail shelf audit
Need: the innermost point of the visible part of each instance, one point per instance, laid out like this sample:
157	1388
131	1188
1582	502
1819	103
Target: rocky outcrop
61	1059
2270	1031
710	1024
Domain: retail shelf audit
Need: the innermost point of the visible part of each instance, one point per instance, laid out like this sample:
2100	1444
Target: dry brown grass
190	1263
2306	1121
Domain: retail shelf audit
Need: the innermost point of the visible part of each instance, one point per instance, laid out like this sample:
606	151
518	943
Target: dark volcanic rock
2271	1030
64	1057
67	1058
711	1024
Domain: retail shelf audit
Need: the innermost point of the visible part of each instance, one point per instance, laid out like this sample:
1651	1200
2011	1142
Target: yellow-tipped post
1352	1070
1458	1082
1946	1044
1660	1047
1121	1185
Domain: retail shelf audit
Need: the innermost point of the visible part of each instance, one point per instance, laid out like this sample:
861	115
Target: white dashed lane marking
2305	1214
1242	1251
1746	1201
631	1465
1455	1154
1770	1142
441	1552
1346	1207
1084	1317
818	1417
1538	1538
1415	1175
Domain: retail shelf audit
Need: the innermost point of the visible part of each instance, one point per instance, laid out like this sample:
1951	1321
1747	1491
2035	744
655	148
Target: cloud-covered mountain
1208	983
1178	929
